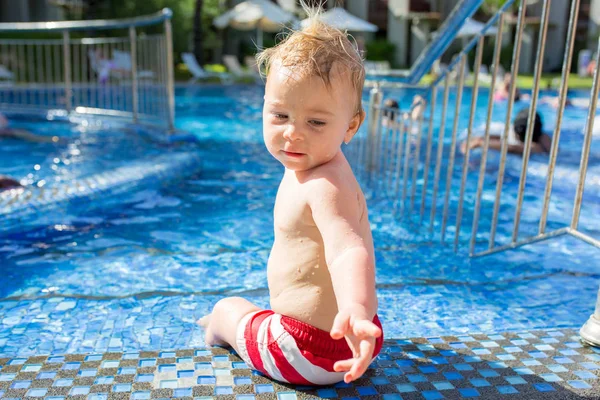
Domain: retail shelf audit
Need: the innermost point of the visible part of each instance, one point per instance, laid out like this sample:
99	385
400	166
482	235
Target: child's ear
355	123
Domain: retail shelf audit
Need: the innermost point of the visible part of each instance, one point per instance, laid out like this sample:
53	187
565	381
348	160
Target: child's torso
299	280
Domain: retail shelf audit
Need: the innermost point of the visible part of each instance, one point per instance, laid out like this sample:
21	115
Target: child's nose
291	133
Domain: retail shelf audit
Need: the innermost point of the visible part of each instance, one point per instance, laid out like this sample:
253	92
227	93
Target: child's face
305	122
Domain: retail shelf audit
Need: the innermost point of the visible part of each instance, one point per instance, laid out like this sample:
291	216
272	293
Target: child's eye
316	123
279	116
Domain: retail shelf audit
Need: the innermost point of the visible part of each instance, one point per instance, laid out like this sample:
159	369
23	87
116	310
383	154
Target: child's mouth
292	154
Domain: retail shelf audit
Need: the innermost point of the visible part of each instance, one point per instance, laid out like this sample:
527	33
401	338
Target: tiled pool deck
548	364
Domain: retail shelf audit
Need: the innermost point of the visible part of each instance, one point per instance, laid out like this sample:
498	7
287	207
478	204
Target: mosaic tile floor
550	364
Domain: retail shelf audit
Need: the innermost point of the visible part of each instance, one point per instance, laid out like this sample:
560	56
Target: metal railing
129	76
396	155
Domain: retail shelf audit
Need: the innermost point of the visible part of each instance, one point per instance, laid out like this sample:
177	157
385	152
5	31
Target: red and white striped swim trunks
292	351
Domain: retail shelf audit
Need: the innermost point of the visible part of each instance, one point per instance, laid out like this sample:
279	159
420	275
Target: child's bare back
323	325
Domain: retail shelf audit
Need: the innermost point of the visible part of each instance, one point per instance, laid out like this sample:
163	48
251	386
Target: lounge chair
122	62
251	64
200	73
118	67
233	65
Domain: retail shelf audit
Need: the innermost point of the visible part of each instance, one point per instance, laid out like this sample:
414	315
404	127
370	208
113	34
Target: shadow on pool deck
544	364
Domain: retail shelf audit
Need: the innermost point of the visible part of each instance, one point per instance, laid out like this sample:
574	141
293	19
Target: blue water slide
444	37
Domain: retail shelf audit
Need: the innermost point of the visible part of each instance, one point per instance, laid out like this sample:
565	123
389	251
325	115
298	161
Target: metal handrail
95	24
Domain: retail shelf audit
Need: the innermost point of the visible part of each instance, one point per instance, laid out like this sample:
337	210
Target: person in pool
7	132
541	142
323	325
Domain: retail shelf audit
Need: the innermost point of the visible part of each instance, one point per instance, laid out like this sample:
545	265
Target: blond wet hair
317	50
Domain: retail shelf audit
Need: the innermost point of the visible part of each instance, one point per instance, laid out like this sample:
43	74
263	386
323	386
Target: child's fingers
343	365
366	328
340	325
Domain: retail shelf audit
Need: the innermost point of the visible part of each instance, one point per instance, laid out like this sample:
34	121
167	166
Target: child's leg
221	325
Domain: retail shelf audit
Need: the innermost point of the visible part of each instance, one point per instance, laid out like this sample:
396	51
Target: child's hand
360	333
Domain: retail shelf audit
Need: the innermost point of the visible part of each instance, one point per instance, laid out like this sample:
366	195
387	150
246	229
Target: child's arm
337	214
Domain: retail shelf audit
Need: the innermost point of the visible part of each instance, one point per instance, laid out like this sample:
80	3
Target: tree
197	33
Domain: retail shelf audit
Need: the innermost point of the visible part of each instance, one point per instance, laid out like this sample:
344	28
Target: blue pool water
135	270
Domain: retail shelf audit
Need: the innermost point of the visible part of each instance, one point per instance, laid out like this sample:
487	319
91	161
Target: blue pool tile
56	359
79	390
20	385
144	378
242	380
538	354
551	377
183	360
405	388
472	359
342	385
286	396
488	373
63	382
206	380
589	365
468	392
428	369
63	398
182	392
104	380
515	380
458	345
167	368
405	363
479	382
448	353
87	372
463	367
391	397
109	364
505	357
202	365
131	356
185	374
199	353
220	358
17	361
366	390
543	387
7	377
432	395
585	374
245	397
443	385
221	390
98	396
71	365
31	367
93	357
580	384
531	362
147	362
141	395
127	371
264	388
237	365
171	354
327	393
497	365
46	375
568	352
122	387
39	392
563	360
453	376
523	371
593	357
507	389
557	368
392	371
380	380
481	351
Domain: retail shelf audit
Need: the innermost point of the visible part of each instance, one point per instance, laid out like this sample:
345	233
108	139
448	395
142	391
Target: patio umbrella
472	28
343	20
262	15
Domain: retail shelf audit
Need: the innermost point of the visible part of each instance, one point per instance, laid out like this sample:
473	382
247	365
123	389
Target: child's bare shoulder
330	181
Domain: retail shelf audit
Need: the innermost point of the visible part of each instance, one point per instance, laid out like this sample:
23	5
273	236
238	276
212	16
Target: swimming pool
135	271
